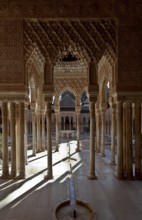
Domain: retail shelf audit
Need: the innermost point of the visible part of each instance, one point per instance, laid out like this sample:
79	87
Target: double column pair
100	114
36	133
49	141
124	140
17	150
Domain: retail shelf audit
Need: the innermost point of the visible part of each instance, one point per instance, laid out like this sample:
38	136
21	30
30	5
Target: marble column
13	138
124	138
129	164
64	123
97	110
103	132
138	173
69	123
33	133
26	133
112	135
92	141
22	149
119	114
38	132
49	142
78	130
57	130
17	139
43	130
5	169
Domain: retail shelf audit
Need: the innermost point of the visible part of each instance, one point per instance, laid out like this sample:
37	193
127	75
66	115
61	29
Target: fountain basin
82	211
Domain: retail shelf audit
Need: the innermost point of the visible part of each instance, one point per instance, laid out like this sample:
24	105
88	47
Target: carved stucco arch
105	74
35	74
76	86
36	58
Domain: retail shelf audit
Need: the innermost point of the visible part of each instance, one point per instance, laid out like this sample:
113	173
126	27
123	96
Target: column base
92	177
102	154
5	176
48	177
97	151
38	150
13	175
20	176
34	153
77	150
120	177
129	177
138	176
112	163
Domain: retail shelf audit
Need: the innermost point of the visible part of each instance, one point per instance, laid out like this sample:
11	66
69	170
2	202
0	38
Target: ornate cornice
128	96
124	10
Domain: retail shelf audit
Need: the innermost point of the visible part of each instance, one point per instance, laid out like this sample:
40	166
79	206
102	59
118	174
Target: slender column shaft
38	132
98	130
138	140
69	123
5	139
22	149
26	134
57	130
113	135
129	165
78	131
64	123
119	112
49	141
13	138
103	131
33	133
124	137
17	139
43	131
92	141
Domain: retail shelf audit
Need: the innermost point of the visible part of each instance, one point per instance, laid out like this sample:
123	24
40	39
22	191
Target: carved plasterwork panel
70	70
36	59
129	62
11	52
76	86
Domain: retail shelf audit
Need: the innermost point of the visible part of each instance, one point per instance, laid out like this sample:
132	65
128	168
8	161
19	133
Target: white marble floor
36	199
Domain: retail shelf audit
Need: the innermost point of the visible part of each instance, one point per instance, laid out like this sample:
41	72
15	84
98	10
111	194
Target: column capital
128	105
48	98
77	109
93	97
103	106
137	104
33	106
56	108
119	104
12	109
